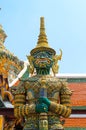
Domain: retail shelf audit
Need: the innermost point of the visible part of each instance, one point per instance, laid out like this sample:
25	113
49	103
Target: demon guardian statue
42	99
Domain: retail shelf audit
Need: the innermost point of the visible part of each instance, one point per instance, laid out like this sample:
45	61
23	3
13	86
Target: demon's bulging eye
38	56
43	54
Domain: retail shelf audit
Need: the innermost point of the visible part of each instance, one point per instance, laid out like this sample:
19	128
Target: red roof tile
79	94
75	122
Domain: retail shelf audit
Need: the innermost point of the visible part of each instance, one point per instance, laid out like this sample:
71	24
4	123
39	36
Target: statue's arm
20	107
64	107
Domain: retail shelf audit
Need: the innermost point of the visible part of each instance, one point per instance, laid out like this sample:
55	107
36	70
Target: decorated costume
42	98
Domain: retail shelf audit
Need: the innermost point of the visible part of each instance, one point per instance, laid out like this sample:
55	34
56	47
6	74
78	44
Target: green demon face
43	60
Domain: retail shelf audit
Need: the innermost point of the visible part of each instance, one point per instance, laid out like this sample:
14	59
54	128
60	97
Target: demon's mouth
42	60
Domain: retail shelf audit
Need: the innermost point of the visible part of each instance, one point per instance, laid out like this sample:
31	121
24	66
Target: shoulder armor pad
20	90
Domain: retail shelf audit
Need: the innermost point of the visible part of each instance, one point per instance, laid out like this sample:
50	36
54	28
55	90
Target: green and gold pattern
42	99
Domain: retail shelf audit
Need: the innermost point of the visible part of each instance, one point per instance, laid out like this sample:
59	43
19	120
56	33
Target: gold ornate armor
57	92
55	102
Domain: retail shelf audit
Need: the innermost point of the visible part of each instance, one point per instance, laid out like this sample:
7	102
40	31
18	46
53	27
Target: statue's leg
56	127
55	123
31	123
30	127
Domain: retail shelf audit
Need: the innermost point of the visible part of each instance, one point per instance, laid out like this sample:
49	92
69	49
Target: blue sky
65	22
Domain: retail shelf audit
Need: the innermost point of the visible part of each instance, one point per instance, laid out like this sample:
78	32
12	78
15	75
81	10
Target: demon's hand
45	101
41	108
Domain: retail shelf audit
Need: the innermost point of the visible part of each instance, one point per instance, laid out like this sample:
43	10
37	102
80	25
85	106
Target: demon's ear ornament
55	66
30	59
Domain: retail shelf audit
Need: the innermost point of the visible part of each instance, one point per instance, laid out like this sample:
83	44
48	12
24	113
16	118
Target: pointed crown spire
42	40
42	43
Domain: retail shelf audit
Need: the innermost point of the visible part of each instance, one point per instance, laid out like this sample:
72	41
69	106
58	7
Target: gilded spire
42	27
42	43
42	40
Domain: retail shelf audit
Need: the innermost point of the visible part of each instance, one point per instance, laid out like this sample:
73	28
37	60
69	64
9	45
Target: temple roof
9	63
75	123
79	94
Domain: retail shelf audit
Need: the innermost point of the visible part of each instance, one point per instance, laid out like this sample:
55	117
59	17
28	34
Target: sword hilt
43	118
